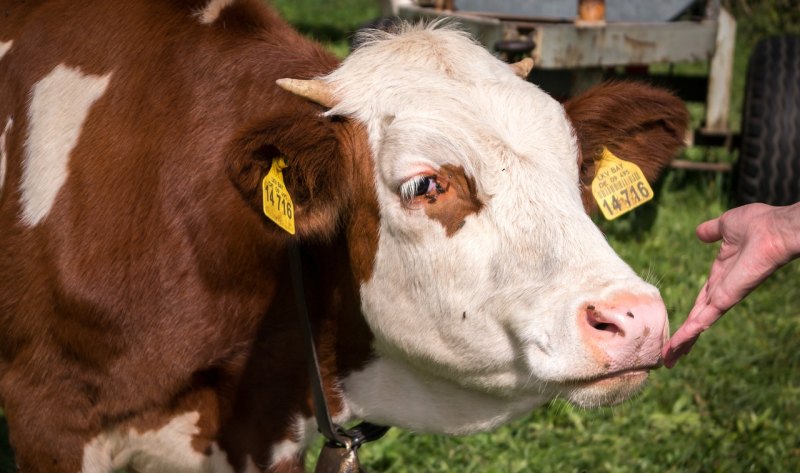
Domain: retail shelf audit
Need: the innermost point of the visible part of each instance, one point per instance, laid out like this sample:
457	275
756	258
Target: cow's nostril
608	327
599	322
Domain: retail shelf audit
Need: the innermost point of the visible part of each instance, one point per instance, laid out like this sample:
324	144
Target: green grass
732	405
332	22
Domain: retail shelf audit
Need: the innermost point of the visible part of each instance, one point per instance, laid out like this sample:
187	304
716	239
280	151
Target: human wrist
788	228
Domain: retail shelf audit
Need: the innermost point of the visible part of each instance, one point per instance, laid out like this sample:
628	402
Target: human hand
756	239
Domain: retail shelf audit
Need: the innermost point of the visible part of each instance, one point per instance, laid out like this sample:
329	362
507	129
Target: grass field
732	406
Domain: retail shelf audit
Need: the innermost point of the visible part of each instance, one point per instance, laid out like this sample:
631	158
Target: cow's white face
489	279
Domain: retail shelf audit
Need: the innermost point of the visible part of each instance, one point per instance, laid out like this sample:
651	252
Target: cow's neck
395	393
343	339
273	404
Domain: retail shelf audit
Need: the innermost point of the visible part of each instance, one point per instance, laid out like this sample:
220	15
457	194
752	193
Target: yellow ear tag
278	205
618	186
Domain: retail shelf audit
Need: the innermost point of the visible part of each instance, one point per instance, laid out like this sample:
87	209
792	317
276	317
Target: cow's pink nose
629	328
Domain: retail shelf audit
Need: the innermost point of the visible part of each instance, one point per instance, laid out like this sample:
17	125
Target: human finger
700	318
710	230
674	352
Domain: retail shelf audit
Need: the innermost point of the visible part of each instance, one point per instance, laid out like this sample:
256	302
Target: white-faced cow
453	277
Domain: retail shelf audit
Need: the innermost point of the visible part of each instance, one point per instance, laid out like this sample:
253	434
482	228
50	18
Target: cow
453	277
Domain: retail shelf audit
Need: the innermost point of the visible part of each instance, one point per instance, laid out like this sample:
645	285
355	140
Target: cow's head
489	290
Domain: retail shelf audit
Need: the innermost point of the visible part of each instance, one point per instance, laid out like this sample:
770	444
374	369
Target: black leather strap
347	438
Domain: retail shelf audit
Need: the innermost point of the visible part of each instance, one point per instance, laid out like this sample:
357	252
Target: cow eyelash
417	186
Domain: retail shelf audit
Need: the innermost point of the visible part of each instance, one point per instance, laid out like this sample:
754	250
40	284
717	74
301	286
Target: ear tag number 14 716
277	203
619	186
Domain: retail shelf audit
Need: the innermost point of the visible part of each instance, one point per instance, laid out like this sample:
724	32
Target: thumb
709	231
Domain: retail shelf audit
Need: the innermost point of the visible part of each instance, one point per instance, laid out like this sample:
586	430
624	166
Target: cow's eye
417	186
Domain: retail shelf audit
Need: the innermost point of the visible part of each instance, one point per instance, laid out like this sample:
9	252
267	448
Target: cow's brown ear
637	122
317	176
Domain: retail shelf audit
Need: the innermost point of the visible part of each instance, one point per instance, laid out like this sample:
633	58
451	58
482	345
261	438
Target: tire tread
768	169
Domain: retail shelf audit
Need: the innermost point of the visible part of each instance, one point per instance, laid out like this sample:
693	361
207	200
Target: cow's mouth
608	388
634	372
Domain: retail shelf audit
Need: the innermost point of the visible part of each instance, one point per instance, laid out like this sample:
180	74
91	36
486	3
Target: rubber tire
768	169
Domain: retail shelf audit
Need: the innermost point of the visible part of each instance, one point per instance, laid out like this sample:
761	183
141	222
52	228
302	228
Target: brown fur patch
364	222
456	202
638	123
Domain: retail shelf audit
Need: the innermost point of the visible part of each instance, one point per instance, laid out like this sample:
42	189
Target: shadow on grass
6	455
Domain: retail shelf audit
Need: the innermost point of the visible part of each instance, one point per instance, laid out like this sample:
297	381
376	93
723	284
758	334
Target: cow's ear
635	121
318	173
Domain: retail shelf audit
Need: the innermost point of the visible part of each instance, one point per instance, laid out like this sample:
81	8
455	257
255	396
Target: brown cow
454	280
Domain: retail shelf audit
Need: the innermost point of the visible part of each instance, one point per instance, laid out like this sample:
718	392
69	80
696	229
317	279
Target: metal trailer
578	43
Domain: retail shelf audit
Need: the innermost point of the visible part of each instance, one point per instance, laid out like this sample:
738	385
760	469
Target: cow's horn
314	90
523	67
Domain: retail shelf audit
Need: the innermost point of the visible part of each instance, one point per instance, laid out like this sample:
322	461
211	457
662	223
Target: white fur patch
388	392
218	462
284	451
211	12
5	46
59	106
4	153
249	467
168	449
300	436
303	432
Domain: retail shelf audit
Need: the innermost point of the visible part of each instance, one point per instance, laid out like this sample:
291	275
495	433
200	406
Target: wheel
768	169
